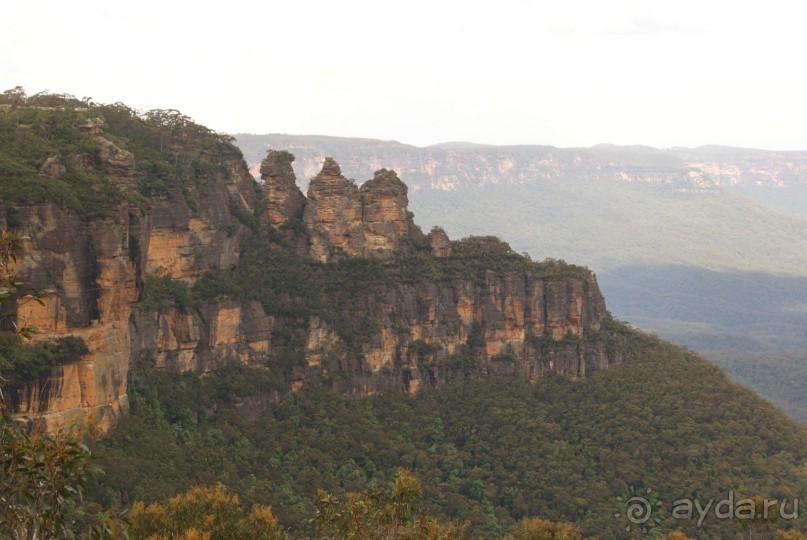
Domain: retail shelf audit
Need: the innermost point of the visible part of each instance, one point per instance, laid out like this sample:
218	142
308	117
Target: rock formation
384	214
97	270
439	242
284	200
365	222
333	214
416	331
119	163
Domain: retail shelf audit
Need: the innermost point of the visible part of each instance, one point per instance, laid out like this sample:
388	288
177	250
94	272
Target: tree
14	96
755	517
383	515
40	475
542	529
675	535
203	513
790	535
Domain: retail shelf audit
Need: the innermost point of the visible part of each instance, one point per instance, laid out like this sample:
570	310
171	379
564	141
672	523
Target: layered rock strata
423	332
96	271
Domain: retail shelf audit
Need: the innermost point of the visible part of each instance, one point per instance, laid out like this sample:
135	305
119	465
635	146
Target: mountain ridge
189	264
688	160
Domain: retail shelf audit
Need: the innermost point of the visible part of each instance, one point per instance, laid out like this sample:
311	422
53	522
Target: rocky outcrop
119	163
384	214
346	220
52	168
92	272
96	271
439	242
431	333
425	334
415	331
203	340
333	215
284	200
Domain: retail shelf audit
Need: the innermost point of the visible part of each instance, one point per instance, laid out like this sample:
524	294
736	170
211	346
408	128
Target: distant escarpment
161	250
462	165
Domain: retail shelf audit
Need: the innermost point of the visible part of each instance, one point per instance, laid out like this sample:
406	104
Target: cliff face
94	276
96	270
412	332
345	220
423	334
513	324
452	166
284	200
333	214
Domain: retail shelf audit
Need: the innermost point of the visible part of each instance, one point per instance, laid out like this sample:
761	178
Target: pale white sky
560	72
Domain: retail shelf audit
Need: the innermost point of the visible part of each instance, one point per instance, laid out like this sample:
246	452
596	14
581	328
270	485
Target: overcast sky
560	72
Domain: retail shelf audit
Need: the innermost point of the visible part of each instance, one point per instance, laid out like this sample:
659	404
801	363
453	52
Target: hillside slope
490	451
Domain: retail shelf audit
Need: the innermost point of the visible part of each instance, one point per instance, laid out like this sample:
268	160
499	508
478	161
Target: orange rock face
284	200
346	220
414	334
96	310
96	271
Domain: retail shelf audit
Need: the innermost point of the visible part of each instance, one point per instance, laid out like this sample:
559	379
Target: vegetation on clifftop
174	155
339	293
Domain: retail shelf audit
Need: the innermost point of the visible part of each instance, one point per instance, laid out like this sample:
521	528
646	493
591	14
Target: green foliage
491	452
421	348
388	514
250	220
474	258
163	293
203	513
174	154
30	135
41	476
541	529
288	285
21	362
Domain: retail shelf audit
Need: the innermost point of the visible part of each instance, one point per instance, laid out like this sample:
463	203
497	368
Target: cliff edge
185	263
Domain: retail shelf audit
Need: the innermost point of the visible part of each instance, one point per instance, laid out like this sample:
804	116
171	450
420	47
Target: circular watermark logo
640	509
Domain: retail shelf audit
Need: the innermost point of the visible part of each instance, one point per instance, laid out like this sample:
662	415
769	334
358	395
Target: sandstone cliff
419	311
456	165
345	220
284	200
96	269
